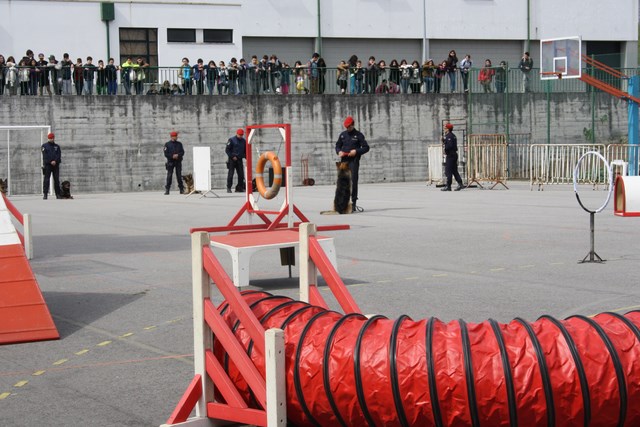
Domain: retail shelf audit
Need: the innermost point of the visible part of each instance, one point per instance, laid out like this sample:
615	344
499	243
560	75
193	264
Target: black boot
447	188
459	187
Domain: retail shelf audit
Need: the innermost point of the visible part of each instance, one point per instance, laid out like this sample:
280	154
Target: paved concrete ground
115	271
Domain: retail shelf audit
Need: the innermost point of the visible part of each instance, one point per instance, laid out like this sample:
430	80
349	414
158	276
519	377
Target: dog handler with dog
51	159
350	147
174	152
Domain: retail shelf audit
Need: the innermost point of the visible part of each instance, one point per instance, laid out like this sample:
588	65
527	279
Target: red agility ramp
24	315
346	369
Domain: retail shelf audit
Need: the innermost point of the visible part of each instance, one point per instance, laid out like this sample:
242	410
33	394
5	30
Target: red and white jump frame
266	383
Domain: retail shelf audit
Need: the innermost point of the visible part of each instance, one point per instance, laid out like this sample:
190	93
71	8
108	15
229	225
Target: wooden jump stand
270	228
268	387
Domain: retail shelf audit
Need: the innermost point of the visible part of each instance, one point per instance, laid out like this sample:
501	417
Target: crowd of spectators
31	76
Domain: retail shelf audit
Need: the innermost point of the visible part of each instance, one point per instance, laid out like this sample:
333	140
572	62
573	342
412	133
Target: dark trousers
451	169
178	167
235	165
354	166
48	170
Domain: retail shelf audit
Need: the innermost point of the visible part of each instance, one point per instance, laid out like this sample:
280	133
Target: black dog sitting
65	186
3	186
342	200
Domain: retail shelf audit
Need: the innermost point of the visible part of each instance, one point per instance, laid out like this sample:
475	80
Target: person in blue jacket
174	152
51	159
235	150
350	147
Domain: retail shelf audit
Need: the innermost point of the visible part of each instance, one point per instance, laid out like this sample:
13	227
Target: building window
217	36
139	42
181	35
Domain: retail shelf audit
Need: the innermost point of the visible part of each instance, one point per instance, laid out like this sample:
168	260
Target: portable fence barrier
487	159
620	155
554	164
434	155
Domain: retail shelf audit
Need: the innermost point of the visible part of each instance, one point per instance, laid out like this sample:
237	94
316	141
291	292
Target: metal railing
169	80
555	163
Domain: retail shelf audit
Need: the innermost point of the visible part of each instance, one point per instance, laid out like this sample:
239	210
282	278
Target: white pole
202	338
28	239
308	272
275	378
8	162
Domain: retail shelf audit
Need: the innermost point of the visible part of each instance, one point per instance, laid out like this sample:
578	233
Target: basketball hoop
551	74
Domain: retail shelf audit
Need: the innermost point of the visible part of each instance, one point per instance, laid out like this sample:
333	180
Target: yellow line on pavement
103	343
38	373
81	352
526	266
497	269
20	383
60	362
4	395
149	327
440	275
384	281
128	334
411	278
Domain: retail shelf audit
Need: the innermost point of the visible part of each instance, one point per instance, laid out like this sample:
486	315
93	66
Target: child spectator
428	72
341	78
67	65
88	74
126	72
405	75
223	79
486	76
212	76
285	79
439	75
101	79
416	77
184	74
501	77
111	71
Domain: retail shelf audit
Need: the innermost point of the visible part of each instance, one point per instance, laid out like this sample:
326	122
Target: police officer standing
174	152
236	152
350	147
451	160
51	159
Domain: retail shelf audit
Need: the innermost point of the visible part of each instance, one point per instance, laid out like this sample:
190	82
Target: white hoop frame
609	180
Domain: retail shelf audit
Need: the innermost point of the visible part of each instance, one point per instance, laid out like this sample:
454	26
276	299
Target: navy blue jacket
236	147
450	144
348	141
171	148
50	152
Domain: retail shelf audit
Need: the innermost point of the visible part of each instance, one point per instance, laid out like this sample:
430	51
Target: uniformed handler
174	152
51	159
451	160
235	150
350	147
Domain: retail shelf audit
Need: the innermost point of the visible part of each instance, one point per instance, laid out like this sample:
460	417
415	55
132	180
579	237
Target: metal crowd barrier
554	164
487	159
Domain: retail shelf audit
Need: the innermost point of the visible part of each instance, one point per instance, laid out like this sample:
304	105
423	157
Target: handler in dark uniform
451	163
236	152
350	147
51	159
174	152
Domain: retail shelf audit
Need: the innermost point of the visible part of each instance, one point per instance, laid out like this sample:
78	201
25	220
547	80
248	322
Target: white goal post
44	131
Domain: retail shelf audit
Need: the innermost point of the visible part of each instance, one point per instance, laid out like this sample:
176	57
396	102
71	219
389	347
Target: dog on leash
342	198
65	187
3	186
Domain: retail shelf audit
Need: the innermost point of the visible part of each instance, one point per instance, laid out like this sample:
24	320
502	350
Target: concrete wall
115	143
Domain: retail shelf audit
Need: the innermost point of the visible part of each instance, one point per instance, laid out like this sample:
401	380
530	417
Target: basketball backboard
561	58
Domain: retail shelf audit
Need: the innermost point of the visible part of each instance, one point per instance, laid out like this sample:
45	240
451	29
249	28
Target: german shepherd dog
342	198
65	187
188	183
3	186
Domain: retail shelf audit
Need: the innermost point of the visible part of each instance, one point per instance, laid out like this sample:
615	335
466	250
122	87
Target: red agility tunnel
350	370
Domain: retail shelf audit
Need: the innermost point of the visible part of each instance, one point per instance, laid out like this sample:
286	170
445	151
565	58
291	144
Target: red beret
449	126
51	136
240	131
348	121
174	133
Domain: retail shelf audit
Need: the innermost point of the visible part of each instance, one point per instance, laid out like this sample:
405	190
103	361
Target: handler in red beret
350	147
51	159
451	158
174	152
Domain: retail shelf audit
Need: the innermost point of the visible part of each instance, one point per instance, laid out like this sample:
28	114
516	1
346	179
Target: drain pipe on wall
319	38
